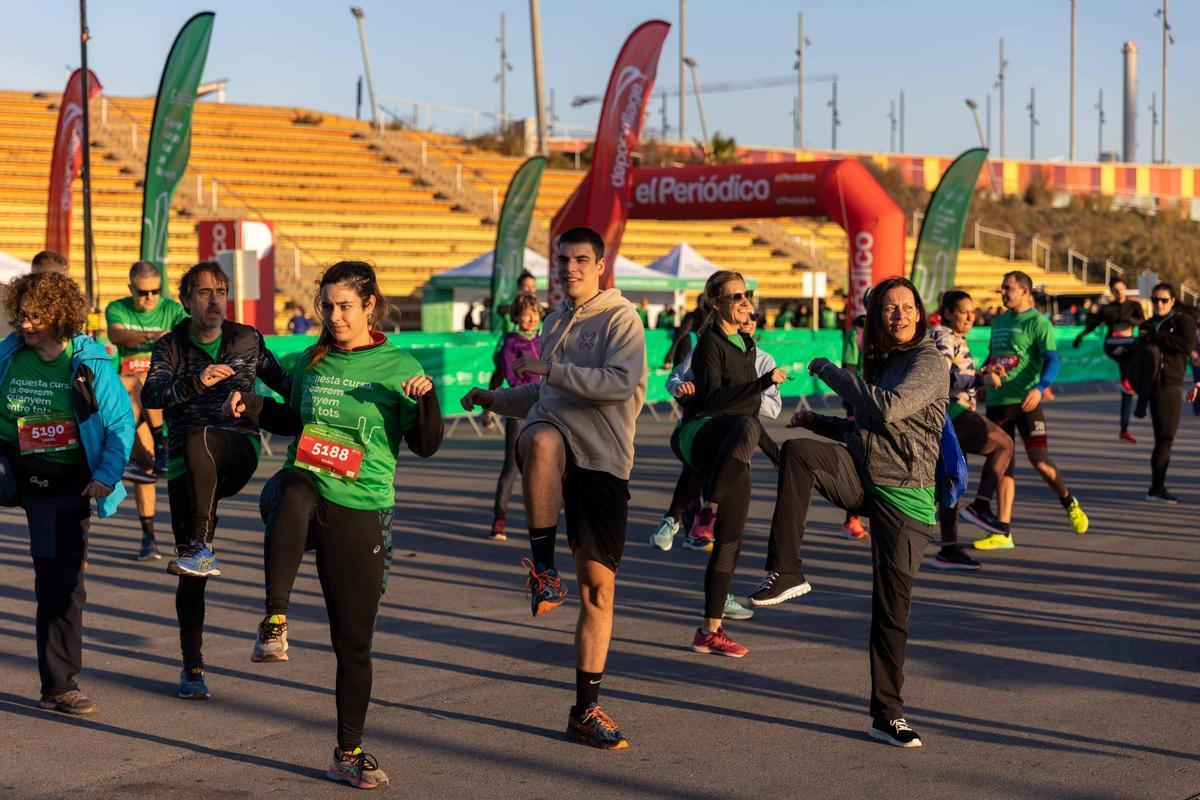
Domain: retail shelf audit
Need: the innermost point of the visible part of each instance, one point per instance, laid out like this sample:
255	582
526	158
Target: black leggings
218	464
508	472
1123	355
354	549
721	452
1165	405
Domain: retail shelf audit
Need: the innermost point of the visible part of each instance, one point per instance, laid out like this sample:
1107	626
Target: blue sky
305	53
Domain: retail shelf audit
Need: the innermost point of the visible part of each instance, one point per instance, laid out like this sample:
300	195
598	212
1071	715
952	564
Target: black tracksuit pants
354	549
897	542
1165	405
508	472
218	464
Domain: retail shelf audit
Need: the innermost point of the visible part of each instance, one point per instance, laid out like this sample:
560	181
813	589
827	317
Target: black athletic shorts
1032	425
596	506
972	431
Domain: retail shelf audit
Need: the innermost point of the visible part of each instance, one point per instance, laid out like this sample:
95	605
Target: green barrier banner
458	361
936	257
508	258
171	136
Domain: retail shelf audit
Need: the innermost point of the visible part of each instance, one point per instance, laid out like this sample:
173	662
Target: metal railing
1034	246
1074	255
918	218
1110	267
981	229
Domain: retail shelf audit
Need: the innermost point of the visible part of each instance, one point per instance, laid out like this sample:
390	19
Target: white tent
11	267
684	262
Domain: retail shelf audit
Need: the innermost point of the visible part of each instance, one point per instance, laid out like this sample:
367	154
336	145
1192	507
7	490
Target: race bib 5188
328	451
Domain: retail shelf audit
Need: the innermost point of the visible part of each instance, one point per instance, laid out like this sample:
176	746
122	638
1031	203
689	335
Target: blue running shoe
192	685
196	560
735	610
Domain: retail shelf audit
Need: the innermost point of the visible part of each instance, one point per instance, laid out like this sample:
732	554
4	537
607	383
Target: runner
576	449
1022	346
886	471
689	488
355	399
209	456
1121	318
523	342
65	433
135	323
526	284
1173	332
976	435
852	527
717	436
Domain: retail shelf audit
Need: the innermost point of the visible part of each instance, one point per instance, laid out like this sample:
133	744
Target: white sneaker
664	537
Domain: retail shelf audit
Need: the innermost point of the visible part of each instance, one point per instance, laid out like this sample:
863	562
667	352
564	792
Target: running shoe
981	514
1078	519
358	769
192	685
717	643
701	536
997	541
1162	496
271	644
853	529
735	610
1127	437
137	473
545	589
72	702
596	728
955	558
196	560
895	732
160	461
148	550
498	534
777	587
664	537
1126	386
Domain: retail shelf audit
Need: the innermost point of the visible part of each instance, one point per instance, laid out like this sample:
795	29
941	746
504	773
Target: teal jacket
102	410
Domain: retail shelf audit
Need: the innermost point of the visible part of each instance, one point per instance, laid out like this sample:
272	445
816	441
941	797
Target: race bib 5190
47	433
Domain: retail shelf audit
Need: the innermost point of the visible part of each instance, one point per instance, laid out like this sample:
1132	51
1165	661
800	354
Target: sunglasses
1160	299
754	316
148	292
738	297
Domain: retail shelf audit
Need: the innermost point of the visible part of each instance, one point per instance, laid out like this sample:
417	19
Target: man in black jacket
1121	318
1173	331
210	455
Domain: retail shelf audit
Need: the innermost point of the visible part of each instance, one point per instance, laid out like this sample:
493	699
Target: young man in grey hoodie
576	450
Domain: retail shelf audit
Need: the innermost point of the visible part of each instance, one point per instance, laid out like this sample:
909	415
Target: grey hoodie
596	385
897	431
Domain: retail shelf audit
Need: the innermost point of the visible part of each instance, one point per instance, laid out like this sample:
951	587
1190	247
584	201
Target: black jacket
173	383
727	382
1175	338
1115	315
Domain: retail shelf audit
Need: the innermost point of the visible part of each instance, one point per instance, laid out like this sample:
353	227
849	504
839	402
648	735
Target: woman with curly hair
66	428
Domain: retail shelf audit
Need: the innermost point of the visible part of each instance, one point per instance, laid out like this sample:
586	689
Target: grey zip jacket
897	430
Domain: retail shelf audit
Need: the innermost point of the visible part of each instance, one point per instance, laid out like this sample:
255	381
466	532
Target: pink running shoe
853	529
700	537
717	643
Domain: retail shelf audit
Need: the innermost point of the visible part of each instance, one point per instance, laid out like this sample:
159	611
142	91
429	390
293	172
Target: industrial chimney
1129	117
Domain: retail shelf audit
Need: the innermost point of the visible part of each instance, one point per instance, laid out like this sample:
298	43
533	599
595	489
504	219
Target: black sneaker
954	558
1162	496
149	550
777	587
895	732
981	514
73	702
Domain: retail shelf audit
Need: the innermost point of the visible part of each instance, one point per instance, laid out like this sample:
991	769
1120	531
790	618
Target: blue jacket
102	410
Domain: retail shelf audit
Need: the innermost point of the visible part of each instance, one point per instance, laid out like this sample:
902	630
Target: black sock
1005	527
541	542
1066	501
587	689
147	526
982	504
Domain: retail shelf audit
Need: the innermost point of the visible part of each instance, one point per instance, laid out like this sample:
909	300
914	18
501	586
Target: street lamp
691	65
357	13
971	104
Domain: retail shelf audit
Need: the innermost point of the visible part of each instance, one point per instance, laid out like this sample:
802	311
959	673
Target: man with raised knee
576	450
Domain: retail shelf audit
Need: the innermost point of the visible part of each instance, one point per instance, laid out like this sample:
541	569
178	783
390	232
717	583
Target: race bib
135	365
47	433
1008	362
328	451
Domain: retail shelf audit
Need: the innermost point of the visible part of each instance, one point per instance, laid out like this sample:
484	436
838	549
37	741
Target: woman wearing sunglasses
717	436
1173	331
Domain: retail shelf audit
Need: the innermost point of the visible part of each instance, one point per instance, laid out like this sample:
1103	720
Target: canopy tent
690	269
11	267
445	300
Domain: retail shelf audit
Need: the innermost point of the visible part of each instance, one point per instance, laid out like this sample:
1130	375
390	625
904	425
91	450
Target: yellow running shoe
997	541
1079	520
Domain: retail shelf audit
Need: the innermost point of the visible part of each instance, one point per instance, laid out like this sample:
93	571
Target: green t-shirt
918	502
353	400
35	389
212	349
163	317
851	355
737	340
1020	343
643	315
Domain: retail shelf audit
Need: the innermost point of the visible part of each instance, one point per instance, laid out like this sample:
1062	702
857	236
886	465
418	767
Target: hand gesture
801	419
476	397
687	389
97	490
778	376
1194	393
234	405
417	386
215	373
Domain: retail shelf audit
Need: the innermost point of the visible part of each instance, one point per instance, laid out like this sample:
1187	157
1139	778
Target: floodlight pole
682	77
1071	149
362	41
89	278
539	86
